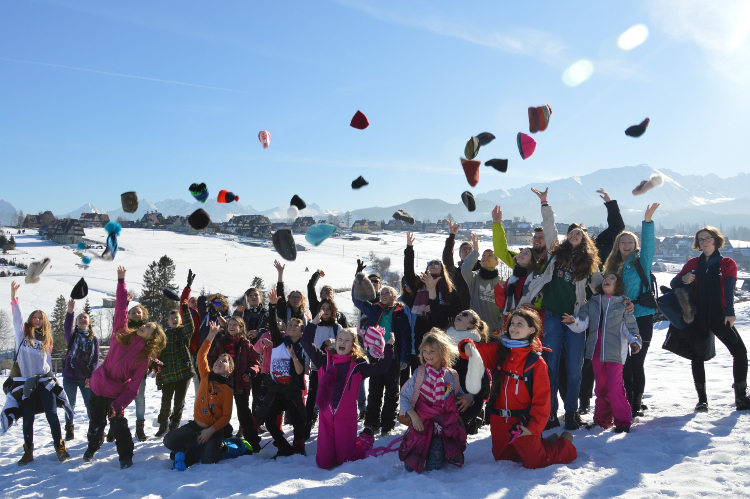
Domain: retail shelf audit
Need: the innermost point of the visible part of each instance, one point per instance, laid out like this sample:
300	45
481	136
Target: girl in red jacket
519	404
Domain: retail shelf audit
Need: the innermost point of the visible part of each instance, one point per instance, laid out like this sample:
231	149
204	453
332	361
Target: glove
191	277
154	367
517	429
404	365
360	265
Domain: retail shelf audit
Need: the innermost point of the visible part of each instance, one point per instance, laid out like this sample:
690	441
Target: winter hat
297	201
264	136
199	192
359	121
471	169
284	244
469	201
362	288
638	130
292	212
227	197
35	270
500	165
374	341
85	259
404	217
359	182
129	201
199	219
113	230
539	118
319	233
168	293
80	290
526	145
485	138
656	180
472	148
81	245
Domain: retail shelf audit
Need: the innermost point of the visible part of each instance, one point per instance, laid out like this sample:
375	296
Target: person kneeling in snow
432	399
519	404
212	411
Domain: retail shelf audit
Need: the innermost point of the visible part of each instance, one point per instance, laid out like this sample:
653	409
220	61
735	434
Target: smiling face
539	242
609	283
575	237
326	311
193	302
432	357
489	260
387	297
83	321
326	292
626	246
434	267
135	314
294	329
233	327
174	319
146	331
519	329
524	258
344	343
464	321
376	283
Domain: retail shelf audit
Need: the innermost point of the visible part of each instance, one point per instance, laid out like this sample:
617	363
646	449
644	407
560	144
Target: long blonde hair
357	353
46	329
437	339
615	261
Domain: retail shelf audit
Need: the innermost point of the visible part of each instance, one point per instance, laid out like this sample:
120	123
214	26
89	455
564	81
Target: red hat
226	197
471	169
359	121
539	118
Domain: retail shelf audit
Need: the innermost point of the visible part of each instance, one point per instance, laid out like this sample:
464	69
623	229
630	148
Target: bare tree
7	338
348	219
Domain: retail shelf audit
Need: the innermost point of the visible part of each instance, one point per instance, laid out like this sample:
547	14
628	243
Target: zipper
604	329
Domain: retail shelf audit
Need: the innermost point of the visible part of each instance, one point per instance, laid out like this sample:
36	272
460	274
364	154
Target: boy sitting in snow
212	411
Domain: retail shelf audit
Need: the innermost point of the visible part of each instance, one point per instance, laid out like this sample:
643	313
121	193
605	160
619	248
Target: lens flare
578	72
632	37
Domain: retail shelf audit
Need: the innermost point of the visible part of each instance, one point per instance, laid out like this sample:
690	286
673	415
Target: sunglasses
216	303
464	314
433	262
375	281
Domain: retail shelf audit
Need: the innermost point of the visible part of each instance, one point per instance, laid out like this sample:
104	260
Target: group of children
456	348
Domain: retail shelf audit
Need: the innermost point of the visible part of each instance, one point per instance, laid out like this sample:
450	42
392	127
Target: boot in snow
553	422
28	455
635	407
741	401
702	405
61	451
139	433
69	432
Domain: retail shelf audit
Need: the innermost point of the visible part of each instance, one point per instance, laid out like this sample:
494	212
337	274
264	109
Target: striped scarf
433	387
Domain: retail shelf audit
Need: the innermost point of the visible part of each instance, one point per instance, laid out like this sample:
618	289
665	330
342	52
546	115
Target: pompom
113	228
292	212
81	246
86	259
657	179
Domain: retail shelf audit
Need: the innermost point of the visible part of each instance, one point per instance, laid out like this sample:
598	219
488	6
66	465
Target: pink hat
374	341
526	145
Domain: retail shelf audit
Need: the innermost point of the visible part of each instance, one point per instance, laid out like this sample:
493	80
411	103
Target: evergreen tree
57	321
87	307
158	275
12	243
257	283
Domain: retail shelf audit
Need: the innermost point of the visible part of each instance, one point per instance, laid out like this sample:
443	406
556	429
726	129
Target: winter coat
401	327
208	315
314	302
32	360
284	312
246	361
727	277
619	329
176	355
256	319
633	285
536	286
606	238
120	375
83	352
454	271
213	402
482	291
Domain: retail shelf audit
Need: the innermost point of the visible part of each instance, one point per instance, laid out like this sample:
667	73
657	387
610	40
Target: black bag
647	298
678	342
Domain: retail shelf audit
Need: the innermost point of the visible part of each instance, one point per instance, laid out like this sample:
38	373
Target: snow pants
532	450
611	400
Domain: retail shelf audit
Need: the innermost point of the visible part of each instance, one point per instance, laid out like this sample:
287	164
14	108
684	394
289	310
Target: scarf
421	300
433	387
231	345
38	335
135	324
510	343
710	311
510	295
218	378
456	336
488	275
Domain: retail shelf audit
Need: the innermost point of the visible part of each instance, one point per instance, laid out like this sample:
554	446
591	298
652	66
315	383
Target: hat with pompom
226	197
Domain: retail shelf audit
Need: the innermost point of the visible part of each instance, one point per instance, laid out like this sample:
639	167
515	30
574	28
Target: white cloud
719	27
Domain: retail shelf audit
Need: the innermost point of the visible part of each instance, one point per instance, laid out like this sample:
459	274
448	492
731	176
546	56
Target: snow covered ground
671	452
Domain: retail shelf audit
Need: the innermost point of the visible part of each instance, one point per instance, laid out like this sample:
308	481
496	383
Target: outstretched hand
409	239
497	215
475	242
190	278
71	305
650	212
360	265
273	297
279	268
453	228
542	195
604	195
13	288
121	272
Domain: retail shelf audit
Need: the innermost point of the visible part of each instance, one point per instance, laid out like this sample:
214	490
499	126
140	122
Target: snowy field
671	452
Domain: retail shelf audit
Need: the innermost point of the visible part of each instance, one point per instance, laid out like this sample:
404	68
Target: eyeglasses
375	281
433	262
705	240
216	303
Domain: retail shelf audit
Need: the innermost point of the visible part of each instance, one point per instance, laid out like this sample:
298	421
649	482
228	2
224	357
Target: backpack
418	381
528	379
81	361
648	297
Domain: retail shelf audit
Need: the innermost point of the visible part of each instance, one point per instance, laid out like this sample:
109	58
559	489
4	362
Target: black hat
638	130
297	201
170	294
500	165
284	244
199	220
404	217
472	148
359	182
469	202
129	201
485	138
80	290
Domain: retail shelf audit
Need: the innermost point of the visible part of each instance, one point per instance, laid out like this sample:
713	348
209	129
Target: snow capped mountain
86	208
7	213
279	213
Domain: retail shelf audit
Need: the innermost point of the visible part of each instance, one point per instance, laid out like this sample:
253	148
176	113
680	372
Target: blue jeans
362	398
555	333
140	402
71	387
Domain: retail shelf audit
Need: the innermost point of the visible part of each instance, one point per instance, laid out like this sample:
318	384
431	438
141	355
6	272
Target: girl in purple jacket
340	372
80	361
115	384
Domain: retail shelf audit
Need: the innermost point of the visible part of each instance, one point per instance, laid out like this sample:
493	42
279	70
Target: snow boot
61	451
384	432
163	429
585	406
573	421
741	401
28	455
472	426
284	450
299	447
174	421
111	434
622	429
69	432
635	406
553	422
240	433
702	405
139	433
126	463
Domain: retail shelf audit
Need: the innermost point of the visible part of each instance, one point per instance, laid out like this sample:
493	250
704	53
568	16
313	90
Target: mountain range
702	199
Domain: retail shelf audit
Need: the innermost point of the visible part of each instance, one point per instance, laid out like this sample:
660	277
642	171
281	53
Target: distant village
670	248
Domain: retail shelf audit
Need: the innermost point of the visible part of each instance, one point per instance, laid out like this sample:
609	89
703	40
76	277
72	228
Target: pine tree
87	308
57	321
257	283
158	275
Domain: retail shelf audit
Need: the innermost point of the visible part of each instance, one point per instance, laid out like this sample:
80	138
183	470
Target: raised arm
648	239
450	243
17	313
314	353
276	337
411	278
499	241
548	218
68	326
312	296
121	302
467	268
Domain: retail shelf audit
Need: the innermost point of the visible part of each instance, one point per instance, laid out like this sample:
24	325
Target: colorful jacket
633	285
83	352
120	375
536	286
246	361
32	360
727	277
176	355
401	326
213	403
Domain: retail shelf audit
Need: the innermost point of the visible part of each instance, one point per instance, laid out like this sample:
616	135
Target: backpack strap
418	382
528	379
641	273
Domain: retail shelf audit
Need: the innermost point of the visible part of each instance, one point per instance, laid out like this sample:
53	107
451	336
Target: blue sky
174	92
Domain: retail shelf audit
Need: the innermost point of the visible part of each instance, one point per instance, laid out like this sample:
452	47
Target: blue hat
319	233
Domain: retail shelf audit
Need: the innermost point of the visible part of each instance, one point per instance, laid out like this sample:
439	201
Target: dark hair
465	243
374	274
619	285
334	310
584	259
538	228
715	233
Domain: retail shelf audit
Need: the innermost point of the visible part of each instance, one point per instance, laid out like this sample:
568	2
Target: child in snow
431	399
340	371
177	371
34	387
246	367
211	413
519	404
284	384
294	305
610	331
80	361
115	384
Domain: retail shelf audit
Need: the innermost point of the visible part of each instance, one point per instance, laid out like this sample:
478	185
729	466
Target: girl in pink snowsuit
341	371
